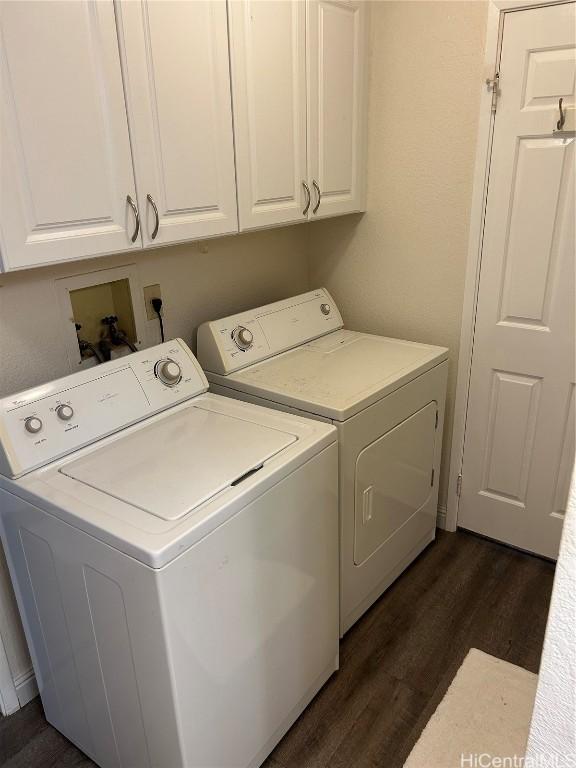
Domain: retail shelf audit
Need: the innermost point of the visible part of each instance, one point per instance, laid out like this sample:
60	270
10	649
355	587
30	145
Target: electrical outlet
151	292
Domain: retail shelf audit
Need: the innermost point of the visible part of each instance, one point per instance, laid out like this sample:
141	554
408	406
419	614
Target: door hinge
494	86
436	422
432	477
459	486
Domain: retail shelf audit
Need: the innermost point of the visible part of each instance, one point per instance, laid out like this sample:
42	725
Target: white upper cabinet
337	105
298	82
131	123
177	81
65	164
268	48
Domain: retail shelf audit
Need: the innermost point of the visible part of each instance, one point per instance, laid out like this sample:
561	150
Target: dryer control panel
234	342
44	423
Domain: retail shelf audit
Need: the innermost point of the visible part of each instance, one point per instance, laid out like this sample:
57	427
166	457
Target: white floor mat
486	711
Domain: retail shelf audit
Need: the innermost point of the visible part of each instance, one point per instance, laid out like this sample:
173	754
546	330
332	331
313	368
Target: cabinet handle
560	123
308	198
132	205
317	188
153	204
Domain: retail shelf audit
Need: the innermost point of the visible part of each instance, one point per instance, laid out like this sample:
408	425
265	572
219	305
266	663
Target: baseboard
441	517
26	687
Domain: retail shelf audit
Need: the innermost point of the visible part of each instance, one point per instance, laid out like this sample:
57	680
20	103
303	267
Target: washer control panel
232	343
44	423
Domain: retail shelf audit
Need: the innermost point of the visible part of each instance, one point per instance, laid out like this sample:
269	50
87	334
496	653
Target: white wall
552	740
399	269
236	273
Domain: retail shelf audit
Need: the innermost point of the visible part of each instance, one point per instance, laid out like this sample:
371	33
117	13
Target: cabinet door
65	163
177	78
337	54
268	46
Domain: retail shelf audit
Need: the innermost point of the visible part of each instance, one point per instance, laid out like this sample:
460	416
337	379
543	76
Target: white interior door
519	443
178	91
65	162
337	54
268	49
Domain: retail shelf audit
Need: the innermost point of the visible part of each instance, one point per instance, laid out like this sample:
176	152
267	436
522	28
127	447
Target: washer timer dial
242	337
168	371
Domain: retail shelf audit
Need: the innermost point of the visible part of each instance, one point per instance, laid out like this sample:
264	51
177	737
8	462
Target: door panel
269	91
549	75
178	91
530	258
519	445
512	416
65	165
336	67
393	480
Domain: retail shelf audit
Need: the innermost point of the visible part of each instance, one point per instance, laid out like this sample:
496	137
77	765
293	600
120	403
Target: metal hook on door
560	123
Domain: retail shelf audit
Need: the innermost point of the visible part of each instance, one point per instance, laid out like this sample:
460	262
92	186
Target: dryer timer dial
242	337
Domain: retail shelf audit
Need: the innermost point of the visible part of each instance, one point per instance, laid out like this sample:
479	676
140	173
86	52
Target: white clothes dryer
175	560
386	397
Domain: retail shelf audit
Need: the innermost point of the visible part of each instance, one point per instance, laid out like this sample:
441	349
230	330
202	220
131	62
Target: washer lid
337	375
172	466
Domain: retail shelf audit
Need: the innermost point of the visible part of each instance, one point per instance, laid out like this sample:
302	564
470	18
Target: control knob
64	412
168	371
243	337
325	309
33	424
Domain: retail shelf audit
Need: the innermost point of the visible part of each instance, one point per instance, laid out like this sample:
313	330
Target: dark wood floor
396	663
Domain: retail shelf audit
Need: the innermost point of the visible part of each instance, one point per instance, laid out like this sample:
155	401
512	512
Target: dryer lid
176	464
337	375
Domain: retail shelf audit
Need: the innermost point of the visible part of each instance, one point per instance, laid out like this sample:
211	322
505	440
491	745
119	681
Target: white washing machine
386	398
174	556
